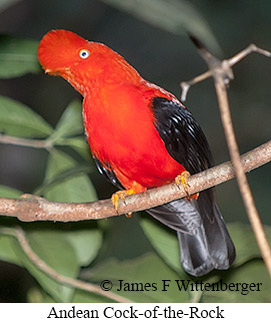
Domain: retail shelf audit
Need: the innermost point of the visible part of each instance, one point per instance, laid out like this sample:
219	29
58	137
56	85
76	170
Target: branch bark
31	208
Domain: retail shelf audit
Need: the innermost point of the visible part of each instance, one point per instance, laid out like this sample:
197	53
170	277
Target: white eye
84	53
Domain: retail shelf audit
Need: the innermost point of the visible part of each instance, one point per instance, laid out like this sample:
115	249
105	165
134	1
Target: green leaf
18	120
81	296
148	270
86	243
6	191
49	184
18	57
252	274
175	16
86	240
75	188
245	242
78	144
56	251
70	123
38	295
164	241
8	249
4	4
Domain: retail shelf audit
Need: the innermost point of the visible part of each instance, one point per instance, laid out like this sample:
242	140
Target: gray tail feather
209	248
205	243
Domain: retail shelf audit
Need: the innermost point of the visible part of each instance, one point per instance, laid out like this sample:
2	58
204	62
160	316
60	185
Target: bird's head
79	61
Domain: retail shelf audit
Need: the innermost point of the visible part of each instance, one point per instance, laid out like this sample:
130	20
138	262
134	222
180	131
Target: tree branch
34	208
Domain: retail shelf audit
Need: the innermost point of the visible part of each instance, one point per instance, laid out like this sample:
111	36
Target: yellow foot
120	195
182	179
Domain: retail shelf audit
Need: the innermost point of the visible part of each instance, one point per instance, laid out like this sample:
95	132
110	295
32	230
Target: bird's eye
84	53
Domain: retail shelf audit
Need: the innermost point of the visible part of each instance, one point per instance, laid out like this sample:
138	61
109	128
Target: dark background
163	58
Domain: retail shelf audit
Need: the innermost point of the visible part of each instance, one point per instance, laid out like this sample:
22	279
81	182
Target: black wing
107	171
182	135
184	141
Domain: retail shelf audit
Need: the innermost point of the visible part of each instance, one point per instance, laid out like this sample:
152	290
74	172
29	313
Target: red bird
141	137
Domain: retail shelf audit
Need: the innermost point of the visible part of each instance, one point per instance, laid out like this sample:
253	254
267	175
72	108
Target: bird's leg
182	179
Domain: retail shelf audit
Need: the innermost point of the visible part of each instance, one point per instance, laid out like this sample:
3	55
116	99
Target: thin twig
252	48
32	143
34	208
75	283
222	74
222	66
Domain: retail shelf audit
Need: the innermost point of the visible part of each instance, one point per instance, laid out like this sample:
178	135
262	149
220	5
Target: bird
140	137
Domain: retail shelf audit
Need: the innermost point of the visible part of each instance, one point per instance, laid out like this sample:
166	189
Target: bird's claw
121	195
182	179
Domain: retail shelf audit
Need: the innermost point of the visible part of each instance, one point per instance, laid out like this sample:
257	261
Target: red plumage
116	105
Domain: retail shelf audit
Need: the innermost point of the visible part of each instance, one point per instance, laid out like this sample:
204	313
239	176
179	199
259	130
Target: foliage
83	250
17	56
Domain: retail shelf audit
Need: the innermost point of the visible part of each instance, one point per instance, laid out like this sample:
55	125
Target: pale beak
59	71
48	71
